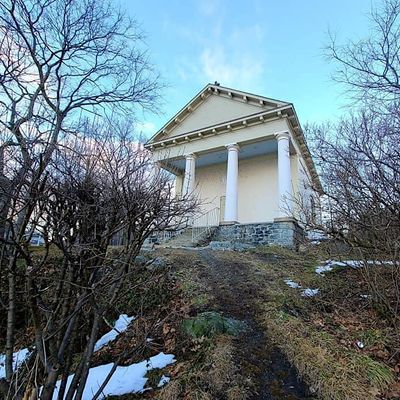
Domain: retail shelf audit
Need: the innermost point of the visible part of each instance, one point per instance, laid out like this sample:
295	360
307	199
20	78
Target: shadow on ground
235	291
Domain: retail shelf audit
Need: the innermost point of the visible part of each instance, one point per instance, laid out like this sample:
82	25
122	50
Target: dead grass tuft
223	369
171	391
214	375
237	392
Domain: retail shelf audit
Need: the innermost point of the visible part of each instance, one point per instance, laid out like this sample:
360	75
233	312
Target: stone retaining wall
284	233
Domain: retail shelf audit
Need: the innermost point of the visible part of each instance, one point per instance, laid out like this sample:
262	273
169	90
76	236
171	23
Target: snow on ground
18	358
163	381
330	264
360	344
309	292
323	268
317	236
292	284
130	379
121	324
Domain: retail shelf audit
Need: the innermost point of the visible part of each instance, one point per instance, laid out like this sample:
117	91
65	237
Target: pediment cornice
215	90
224	127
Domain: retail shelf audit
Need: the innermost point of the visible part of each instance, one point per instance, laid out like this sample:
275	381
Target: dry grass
318	334
172	391
332	372
215	377
209	370
188	271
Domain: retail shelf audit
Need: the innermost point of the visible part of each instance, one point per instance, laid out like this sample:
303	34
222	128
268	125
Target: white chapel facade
241	154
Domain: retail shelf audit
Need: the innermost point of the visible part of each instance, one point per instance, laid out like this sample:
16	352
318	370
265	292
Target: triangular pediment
212	106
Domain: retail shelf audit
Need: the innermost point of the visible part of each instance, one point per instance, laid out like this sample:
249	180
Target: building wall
215	109
237	237
210	186
257	188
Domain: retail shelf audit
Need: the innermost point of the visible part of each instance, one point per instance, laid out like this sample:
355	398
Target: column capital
282	135
232	146
191	156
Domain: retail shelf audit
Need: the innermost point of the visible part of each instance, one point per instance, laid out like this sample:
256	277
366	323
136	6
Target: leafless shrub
94	187
360	166
63	63
358	158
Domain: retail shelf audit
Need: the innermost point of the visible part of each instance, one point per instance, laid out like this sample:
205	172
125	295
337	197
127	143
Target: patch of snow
292	284
130	379
353	263
163	381
121	324
309	292
360	344
340	263
323	268
18	358
330	264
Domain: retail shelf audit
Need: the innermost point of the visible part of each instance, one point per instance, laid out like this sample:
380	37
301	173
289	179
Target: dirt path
236	289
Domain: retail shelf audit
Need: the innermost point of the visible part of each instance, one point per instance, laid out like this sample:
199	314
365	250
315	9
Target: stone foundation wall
284	233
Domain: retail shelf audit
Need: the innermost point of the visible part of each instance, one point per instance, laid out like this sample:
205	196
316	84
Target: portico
280	151
242	154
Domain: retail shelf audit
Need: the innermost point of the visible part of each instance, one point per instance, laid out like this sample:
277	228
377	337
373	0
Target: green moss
211	323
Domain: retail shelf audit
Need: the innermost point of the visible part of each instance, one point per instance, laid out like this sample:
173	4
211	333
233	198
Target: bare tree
96	185
359	164
370	67
60	60
359	159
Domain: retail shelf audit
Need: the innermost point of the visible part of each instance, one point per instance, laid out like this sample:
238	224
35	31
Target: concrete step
183	239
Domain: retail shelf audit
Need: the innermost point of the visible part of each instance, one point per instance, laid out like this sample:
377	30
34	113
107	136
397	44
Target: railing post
209	218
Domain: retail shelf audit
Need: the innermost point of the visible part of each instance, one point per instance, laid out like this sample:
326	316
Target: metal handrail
205	222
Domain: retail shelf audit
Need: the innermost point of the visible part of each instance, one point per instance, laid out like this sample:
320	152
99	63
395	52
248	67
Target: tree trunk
10	340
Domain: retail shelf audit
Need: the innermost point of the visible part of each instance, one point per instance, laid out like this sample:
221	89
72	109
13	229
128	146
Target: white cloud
209	7
145	127
231	68
217	50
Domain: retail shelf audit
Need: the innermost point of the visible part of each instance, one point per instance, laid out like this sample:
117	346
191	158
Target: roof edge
215	89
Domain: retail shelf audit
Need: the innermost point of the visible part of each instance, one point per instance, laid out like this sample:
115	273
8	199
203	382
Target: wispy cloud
145	128
219	50
209	7
231	68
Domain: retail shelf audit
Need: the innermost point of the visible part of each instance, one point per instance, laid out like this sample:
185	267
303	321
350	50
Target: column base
228	222
285	219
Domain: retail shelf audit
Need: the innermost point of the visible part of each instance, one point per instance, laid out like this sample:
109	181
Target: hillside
261	324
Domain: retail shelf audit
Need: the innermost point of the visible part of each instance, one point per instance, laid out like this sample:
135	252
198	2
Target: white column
284	175
189	178
231	199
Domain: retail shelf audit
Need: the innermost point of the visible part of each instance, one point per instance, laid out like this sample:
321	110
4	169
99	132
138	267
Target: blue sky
268	47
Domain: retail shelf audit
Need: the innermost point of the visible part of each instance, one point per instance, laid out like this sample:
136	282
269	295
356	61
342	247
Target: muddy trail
235	290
